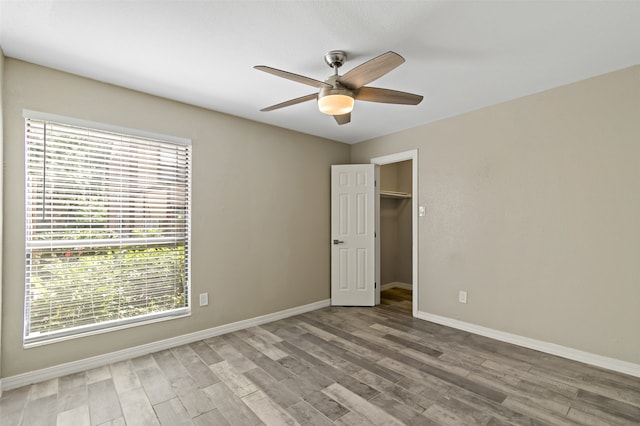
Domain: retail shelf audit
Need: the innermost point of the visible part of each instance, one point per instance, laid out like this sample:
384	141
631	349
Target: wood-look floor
345	366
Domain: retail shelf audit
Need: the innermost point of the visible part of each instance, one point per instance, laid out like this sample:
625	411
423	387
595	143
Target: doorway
398	213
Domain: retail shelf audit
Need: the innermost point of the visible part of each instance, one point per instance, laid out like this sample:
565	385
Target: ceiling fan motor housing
335	91
335	58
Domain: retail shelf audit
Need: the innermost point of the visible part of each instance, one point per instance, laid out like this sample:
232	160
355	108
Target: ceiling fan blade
290	102
295	77
370	70
343	118
374	94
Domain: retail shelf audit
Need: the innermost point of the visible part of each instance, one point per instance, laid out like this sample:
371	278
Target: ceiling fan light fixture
336	104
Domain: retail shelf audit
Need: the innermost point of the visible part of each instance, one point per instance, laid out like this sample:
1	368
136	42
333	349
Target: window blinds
107	229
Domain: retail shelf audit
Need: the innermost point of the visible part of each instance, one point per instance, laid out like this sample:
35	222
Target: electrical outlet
462	296
204	299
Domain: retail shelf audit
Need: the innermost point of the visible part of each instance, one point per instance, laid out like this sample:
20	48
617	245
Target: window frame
117	324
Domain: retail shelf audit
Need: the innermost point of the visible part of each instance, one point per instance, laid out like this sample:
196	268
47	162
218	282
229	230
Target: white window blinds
107	229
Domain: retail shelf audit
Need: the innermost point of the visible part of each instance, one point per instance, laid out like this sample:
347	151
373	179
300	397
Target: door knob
338	242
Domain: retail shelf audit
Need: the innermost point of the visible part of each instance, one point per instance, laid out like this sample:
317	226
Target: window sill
102	330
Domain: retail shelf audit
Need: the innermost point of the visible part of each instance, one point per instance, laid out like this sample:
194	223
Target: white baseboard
550	348
396	284
49	373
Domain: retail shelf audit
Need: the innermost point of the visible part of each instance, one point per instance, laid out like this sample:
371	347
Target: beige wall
404	269
260	225
1	192
396	224
388	240
388	224
533	207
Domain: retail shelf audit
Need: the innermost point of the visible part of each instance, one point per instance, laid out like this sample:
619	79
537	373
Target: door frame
395	158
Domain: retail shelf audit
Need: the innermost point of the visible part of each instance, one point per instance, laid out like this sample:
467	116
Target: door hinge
375	285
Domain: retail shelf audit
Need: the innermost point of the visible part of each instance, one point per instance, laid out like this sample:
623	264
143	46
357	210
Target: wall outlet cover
204	299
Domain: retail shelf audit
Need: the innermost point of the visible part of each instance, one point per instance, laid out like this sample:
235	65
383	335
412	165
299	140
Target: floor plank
231	406
136	408
172	412
41	411
267	410
78	416
104	404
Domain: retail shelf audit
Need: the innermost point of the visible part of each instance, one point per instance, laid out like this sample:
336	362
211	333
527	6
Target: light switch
421	211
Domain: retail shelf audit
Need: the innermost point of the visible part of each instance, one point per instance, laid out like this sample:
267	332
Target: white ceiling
461	55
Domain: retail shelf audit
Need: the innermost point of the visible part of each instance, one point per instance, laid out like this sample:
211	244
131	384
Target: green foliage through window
92	286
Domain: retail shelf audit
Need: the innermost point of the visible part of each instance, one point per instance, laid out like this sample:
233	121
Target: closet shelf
394	194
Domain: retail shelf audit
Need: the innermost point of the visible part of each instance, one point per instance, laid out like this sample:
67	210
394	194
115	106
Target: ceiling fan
338	93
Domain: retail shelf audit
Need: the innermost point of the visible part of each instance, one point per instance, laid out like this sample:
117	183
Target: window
107	227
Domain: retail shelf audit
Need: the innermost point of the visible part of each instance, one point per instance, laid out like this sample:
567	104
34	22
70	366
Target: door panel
353	230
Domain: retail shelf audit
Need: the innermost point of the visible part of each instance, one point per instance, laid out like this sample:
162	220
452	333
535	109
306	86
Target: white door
353	235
